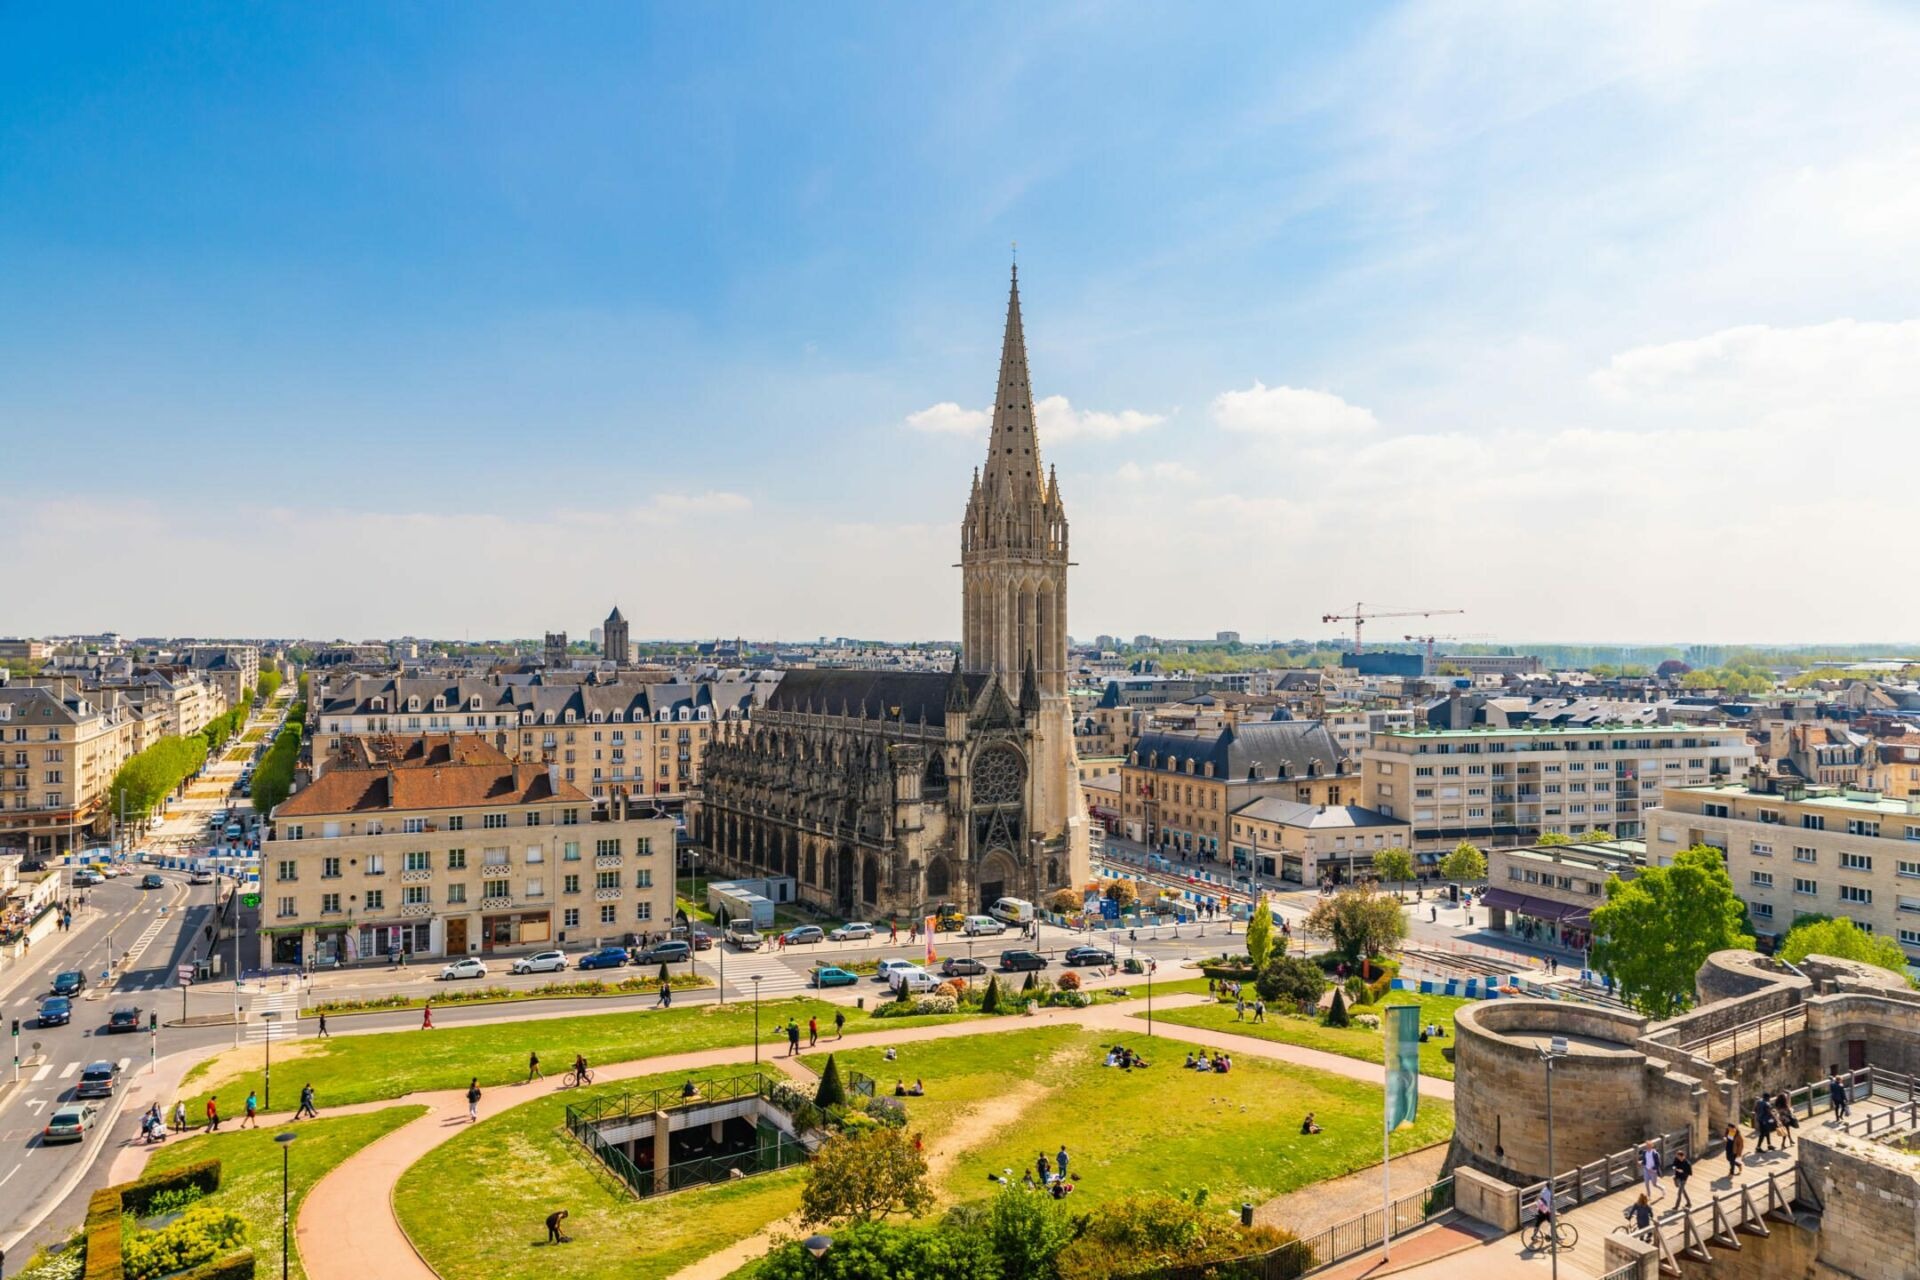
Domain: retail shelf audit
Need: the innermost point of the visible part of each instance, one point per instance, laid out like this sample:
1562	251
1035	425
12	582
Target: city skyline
1522	313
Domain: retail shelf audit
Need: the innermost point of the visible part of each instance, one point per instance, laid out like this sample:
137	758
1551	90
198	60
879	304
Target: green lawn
250	1169
1164	1129
1348	1042
515	1168
390	1064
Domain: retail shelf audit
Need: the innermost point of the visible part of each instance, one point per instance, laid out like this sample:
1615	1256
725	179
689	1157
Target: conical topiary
990	1002
831	1093
1337	1011
1030	983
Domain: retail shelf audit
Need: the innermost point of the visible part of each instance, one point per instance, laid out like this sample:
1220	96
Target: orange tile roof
455	786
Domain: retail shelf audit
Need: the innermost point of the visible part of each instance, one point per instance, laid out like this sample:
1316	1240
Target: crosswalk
776	977
145	940
71	1069
286	1026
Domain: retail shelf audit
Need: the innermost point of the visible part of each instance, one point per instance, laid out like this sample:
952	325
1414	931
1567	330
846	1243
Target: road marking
71	1068
10	1173
124	1064
34	1104
45	1071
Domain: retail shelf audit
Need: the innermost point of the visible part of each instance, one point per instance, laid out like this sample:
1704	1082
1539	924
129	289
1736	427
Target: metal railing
629	1104
1626	1271
1755	1032
1336	1243
1600	1177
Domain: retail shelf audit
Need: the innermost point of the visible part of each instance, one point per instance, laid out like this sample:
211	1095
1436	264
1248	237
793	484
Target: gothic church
888	793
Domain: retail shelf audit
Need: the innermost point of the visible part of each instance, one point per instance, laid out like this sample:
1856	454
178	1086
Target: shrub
864	1249
1149	1233
947	989
1069	1000
990	1002
1069	981
1356	990
959	985
1337	1011
1033	980
831	1092
888	1111
198	1236
1066	902
1291	980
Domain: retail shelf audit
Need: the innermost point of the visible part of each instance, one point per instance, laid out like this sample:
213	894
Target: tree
1394	866
1552	838
1337	1011
1842	939
1670	668
1123	893
831	1092
1360	922
866	1249
270	682
1065	902
1027	1232
865	1176
1655	931
1260	936
1465	865
990	999
1291	980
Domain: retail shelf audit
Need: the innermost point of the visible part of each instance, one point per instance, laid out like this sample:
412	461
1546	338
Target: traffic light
16	1028
153	1022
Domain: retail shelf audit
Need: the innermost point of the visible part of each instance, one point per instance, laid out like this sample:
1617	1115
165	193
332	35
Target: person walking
1837	1097
665	1000
1783	1112
813	1032
180	1116
306	1104
893	933
473	1101
1736	1143
1259	1010
1682	1169
793	1038
1240	1009
533	1068
426	1017
323	1033
213	1115
839	1024
1650	1168
252	1118
1762	1124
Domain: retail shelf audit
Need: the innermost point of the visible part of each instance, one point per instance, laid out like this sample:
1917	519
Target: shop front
515	929
1540	921
387	941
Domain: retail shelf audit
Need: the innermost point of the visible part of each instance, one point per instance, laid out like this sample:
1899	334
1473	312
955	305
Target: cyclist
580	1067
1543	1207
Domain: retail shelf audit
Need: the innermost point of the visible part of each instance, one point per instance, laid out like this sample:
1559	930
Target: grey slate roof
1236	752
910	696
1319	817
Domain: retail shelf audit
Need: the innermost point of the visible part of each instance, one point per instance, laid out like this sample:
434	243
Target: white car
540	962
468	968
855	931
982	927
885	972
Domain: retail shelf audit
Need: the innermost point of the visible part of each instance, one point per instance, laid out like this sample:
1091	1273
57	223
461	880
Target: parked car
541	962
97	1080
69	1123
885	972
604	958
982	927
665	953
804	933
1088	955
832	975
56	1011
854	931
961	967
698	935
743	935
467	968
71	983
1018	961
152	881
912	978
125	1017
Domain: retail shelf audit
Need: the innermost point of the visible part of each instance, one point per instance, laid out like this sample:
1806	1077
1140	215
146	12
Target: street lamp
756	1019
285	1139
818	1246
272	1018
1555	1050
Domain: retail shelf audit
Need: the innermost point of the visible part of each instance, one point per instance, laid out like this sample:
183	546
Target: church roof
1235	751
615	616
872	695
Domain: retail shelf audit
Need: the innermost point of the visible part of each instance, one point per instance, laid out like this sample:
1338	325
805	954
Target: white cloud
1058	421
1289	411
949	419
718	501
1158	472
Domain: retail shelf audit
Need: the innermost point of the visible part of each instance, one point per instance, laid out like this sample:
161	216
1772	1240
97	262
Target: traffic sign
184	974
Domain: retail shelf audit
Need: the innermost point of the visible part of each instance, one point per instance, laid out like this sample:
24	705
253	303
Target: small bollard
1246	1213
859	1002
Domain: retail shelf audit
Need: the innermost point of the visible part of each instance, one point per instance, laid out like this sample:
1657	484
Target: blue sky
472	319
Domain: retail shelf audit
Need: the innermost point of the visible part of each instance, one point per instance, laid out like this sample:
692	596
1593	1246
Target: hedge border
107	1206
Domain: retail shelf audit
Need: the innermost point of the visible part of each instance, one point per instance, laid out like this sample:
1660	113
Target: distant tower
614	643
556	650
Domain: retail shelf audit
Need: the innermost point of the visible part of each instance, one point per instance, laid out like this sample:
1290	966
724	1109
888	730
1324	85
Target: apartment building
1178	787
234	667
427	854
1898	769
1354	728
1794	848
1545	894
621	737
59	749
1312	844
1514	785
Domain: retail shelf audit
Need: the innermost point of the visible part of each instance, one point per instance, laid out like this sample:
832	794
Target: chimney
1456	710
1663	715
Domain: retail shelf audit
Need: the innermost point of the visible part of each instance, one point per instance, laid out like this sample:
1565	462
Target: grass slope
1348	1042
250	1169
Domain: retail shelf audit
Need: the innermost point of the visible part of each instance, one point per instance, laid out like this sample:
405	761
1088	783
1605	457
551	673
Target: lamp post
756	1020
272	1018
818	1246
1555	1050
285	1140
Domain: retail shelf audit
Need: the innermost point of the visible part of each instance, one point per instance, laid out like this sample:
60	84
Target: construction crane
1428	641
1360	618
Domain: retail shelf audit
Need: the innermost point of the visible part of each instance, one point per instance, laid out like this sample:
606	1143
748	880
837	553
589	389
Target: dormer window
473	703
440	704
547	718
413	704
618	715
376	704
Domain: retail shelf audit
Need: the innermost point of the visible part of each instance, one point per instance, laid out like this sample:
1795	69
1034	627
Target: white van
982	927
1013	910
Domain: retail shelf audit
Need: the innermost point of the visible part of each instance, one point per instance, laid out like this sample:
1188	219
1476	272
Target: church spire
1013	449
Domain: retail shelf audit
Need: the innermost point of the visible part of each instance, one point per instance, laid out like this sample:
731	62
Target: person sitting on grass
1223	1064
899	1088
919	1089
689	1089
1308	1125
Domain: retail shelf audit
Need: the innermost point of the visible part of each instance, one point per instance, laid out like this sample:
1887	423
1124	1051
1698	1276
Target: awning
1527	905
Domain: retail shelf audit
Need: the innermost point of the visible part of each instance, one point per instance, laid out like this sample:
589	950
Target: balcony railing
496	904
414	910
419	876
606	895
607	861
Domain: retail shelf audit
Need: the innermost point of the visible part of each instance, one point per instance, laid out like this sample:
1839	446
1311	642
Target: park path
360	1189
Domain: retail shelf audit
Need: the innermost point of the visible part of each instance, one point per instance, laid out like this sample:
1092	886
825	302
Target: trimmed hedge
105	1207
235	1266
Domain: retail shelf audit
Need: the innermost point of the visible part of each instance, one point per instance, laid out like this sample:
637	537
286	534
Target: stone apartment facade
1312	844
1512	786
446	852
1178	788
59	749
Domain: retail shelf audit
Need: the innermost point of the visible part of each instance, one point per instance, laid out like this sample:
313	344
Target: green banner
1401	1023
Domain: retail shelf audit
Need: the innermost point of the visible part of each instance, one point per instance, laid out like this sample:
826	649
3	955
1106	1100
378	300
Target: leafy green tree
1552	838
862	1250
1360	922
1260	936
1291	980
864	1176
1337	1011
1465	865
831	1092
1394	866
1153	1233
1655	931
1027	1232
1844	940
270	682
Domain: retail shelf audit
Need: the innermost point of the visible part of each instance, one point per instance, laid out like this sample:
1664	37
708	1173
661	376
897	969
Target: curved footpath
359	1190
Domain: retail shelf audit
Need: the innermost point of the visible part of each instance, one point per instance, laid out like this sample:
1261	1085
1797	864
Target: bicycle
1563	1232
574	1079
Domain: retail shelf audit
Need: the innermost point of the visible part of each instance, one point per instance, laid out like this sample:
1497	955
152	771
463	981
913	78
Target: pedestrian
253	1111
1259	1010
1640	1213
306	1104
1433	916
1240	1009
666	997
1762	1124
533	1068
1682	1169
324	1033
893	933
180	1116
1042	1168
793	1038
426	1017
1060	1160
213	1115
1837	1097
839	1023
813	1032
473	1101
1650	1168
554	1220
1783	1112
1736	1143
